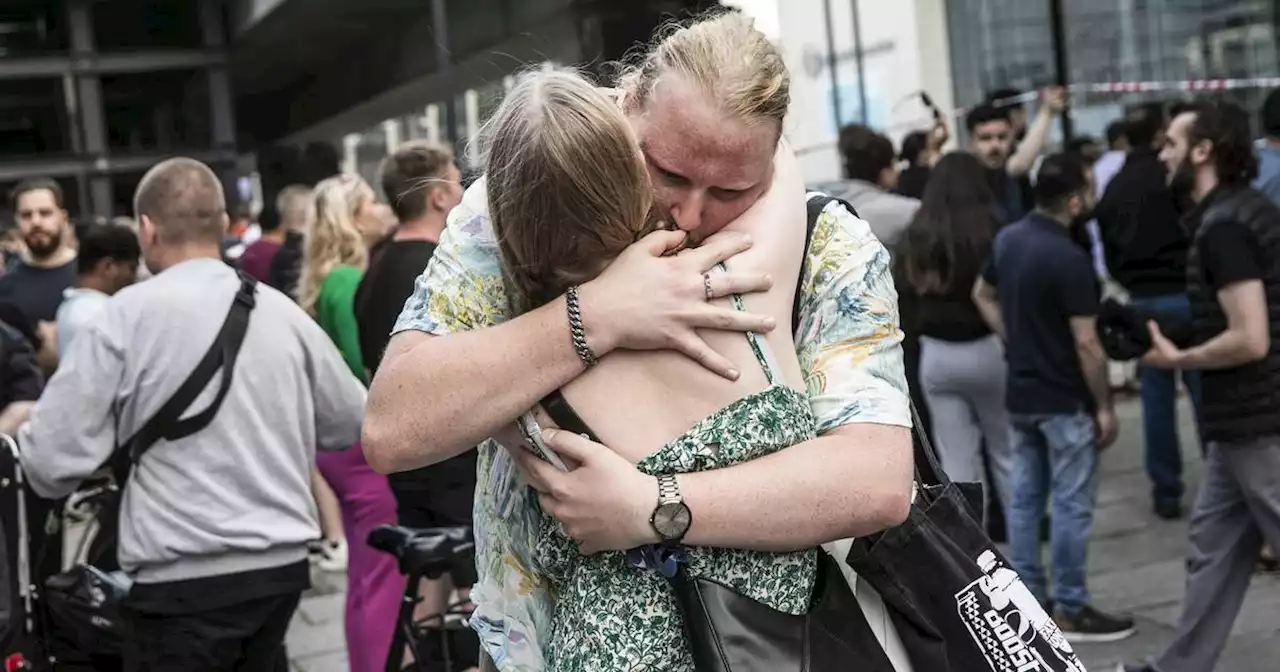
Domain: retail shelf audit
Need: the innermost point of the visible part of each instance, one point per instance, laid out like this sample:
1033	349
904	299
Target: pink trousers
374	582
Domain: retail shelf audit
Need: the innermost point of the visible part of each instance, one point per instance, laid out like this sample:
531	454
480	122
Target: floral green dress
616	611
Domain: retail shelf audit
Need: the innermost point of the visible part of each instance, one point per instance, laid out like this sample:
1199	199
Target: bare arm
1024	159
988	303
854	481
1093	360
1247	337
476	381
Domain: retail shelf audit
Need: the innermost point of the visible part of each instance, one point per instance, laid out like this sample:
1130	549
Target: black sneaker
1135	668
1091	625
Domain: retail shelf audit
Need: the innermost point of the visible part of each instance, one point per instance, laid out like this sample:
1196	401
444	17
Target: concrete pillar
92	126
444	66
222	107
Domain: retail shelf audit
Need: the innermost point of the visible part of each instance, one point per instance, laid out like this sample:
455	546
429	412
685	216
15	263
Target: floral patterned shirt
849	344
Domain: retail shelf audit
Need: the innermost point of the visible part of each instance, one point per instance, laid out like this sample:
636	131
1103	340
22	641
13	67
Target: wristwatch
671	517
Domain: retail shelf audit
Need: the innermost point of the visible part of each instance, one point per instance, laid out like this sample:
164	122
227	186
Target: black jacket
1142	232
20	376
1240	403
286	266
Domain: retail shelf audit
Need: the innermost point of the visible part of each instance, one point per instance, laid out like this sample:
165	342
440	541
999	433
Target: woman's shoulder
340	284
342	276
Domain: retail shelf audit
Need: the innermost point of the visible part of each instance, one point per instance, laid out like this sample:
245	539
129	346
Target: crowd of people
647	243
1174	222
231	555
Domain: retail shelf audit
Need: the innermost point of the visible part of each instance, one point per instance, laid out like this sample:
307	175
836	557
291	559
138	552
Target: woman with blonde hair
348	220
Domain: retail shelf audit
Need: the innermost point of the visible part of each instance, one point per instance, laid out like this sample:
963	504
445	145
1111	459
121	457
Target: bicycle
428	553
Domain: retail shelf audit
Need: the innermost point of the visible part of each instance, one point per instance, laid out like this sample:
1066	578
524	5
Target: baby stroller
57	610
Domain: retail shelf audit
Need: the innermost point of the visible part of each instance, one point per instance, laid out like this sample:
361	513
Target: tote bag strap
928	470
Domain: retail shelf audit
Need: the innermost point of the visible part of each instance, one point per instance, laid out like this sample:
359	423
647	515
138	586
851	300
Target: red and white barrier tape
1185	85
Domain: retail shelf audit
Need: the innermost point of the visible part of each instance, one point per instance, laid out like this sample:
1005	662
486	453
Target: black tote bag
956	602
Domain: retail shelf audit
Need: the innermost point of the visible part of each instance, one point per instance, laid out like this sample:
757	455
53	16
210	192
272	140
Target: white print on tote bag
1010	626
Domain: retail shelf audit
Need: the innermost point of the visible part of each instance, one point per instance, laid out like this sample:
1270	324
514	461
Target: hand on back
652	299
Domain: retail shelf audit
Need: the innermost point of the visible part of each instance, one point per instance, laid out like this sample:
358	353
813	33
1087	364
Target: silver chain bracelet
576	330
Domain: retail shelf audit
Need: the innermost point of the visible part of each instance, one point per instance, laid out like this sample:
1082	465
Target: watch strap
668	490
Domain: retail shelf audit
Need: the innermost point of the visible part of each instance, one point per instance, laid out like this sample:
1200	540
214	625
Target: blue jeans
1159	404
1055	461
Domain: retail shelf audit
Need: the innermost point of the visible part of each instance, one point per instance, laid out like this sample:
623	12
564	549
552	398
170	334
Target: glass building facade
93	93
363	152
1008	44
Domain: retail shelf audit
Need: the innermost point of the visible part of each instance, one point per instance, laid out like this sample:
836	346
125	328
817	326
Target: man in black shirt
1233	279
1040	293
1009	162
1146	252
36	283
422	183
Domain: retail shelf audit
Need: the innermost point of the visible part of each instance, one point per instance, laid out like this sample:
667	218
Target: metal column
222	109
222	120
858	55
92	122
832	63
444	66
1062	75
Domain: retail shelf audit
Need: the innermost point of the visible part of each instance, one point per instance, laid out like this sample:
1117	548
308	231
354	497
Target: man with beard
1059	400
1146	253
35	284
1233	280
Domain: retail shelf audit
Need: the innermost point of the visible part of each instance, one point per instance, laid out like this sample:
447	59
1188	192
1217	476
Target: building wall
904	49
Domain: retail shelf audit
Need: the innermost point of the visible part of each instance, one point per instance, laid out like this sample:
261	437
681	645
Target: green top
336	313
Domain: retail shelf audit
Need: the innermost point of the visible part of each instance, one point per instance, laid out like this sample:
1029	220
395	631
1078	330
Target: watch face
672	521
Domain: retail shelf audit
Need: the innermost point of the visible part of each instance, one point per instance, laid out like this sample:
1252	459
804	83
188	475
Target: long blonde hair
567	187
333	238
723	54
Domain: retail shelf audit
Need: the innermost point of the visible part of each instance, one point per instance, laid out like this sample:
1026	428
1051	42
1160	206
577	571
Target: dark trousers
243	637
1159	388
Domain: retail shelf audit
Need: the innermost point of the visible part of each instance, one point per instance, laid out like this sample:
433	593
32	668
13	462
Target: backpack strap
817	203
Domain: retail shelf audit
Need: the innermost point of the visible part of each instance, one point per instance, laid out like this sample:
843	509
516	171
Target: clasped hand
603	503
651	299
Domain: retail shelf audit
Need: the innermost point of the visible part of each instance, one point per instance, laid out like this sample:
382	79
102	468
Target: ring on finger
706	286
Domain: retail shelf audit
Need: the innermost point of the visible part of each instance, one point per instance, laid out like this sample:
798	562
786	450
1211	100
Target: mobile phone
533	434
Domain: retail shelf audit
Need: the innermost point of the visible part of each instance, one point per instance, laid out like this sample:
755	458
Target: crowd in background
348	259
1019	272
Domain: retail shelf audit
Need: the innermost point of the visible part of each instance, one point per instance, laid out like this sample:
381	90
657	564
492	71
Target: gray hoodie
888	214
233	497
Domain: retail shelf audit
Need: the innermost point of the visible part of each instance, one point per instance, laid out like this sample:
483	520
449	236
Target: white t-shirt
79	307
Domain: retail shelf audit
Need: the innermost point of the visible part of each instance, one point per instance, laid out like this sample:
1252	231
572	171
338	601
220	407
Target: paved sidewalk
1136	565
316	641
